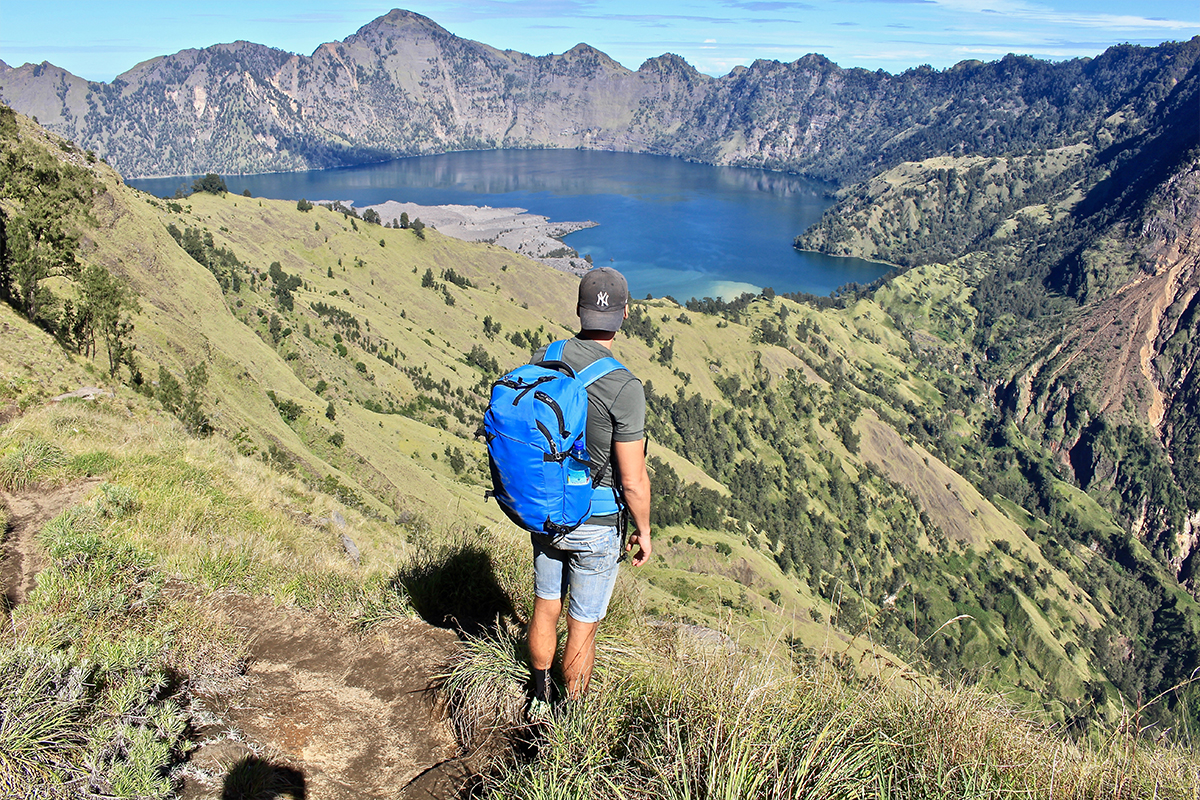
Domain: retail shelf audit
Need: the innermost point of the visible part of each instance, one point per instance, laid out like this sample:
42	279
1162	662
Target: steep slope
828	472
403	85
1083	276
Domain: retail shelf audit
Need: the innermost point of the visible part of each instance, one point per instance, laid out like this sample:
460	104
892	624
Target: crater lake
673	227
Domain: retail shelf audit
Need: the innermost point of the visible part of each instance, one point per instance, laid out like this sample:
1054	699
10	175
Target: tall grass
42	727
666	722
27	460
210	515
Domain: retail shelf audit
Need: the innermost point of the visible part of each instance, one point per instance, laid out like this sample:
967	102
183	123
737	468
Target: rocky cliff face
402	85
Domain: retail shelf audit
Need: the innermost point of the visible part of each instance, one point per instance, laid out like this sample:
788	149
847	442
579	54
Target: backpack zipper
548	400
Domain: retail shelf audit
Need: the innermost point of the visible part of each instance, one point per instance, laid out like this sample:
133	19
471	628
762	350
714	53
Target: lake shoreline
671	227
515	229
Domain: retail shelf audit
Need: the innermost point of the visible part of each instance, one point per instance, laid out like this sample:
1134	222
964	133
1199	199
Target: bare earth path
352	715
28	512
322	713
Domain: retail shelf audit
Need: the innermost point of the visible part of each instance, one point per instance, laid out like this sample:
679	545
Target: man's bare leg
543	642
579	656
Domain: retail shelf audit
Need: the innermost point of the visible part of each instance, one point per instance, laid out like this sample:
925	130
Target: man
585	560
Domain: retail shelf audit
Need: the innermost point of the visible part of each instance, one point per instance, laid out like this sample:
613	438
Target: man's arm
635	487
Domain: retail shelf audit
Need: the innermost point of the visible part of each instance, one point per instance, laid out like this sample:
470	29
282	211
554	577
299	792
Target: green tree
106	303
284	285
330	412
169	392
304	205
371	216
418	228
490	327
5	271
191	412
404	223
40	246
211	183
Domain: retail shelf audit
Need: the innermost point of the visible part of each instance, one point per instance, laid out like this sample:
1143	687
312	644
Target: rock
84	393
350	549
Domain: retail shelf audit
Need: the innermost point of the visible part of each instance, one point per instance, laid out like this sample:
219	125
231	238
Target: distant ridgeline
1004	435
402	85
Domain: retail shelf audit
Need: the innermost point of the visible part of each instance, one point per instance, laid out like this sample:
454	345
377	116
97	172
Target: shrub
290	410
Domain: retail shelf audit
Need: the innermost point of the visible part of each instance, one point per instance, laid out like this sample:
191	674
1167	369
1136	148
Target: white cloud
1037	12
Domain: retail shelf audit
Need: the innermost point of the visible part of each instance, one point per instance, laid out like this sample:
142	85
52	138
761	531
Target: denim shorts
585	562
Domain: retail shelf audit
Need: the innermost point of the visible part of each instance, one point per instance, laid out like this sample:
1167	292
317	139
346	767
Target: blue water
673	227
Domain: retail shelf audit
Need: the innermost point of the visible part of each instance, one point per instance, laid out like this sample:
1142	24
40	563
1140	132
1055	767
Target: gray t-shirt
616	408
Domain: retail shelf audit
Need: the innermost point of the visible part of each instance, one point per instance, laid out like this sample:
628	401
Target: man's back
616	408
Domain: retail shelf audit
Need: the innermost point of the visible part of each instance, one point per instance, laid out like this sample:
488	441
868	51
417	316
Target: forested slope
1082	266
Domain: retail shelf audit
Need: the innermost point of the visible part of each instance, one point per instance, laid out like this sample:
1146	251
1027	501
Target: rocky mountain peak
671	64
400	18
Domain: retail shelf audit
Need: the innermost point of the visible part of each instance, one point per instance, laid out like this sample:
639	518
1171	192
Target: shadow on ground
457	589
254	778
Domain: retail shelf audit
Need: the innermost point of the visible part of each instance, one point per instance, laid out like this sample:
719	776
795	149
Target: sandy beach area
511	228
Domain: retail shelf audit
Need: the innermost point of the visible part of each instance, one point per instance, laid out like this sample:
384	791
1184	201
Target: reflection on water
673	227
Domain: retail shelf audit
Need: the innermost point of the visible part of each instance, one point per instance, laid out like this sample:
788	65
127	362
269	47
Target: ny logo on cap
602	299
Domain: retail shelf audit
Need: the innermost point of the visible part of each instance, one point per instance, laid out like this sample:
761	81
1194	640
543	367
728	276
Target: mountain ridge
403	85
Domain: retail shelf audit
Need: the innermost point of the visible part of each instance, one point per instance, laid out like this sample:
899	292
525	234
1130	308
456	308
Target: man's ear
626	312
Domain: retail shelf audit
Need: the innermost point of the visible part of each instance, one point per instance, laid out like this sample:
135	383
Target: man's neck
599	337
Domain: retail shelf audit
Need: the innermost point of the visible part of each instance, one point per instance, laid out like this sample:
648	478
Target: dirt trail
28	512
322	712
344	715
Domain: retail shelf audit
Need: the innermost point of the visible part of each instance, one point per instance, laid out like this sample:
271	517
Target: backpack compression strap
605	500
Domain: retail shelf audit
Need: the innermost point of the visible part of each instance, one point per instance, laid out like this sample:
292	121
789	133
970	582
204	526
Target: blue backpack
536	431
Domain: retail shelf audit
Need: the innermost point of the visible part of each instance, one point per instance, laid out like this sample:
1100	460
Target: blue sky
99	40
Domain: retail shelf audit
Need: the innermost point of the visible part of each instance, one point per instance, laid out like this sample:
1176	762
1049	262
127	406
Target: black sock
542	685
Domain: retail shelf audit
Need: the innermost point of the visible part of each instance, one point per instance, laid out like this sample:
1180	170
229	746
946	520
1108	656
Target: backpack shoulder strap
555	351
598	369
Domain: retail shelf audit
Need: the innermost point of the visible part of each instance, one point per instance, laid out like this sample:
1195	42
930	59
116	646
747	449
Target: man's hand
645	549
635	487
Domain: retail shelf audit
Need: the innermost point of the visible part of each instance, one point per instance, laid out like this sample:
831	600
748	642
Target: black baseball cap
603	295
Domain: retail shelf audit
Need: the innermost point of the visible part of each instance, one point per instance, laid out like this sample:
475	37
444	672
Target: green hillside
831	487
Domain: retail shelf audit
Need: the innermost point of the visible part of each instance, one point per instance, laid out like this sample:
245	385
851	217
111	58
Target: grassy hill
831	489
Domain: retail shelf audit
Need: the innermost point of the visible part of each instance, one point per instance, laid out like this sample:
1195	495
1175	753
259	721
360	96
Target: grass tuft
42	727
485	691
29	461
